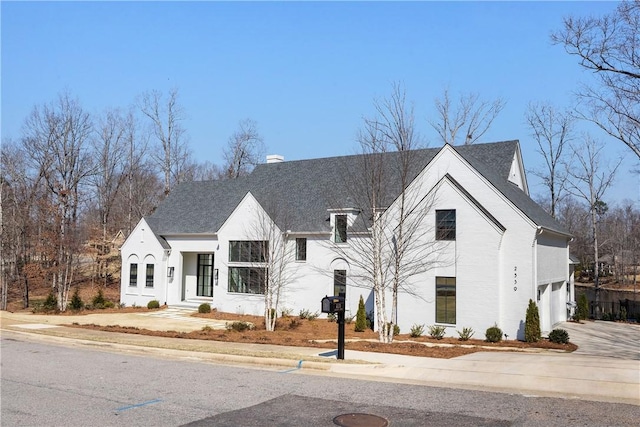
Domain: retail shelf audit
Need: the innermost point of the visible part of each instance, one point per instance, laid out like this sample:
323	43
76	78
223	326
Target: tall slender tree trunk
596	268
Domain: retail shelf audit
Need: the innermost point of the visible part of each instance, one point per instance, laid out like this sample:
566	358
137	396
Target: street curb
184	354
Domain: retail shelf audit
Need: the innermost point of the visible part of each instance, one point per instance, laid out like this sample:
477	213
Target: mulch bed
293	331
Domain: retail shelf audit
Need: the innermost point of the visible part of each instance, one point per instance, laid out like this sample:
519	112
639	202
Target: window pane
133	275
234	251
446	224
149	282
446	300
340	232
339	282
248	251
301	249
249	280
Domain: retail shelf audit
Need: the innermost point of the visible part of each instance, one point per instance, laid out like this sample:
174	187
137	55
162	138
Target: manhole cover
360	420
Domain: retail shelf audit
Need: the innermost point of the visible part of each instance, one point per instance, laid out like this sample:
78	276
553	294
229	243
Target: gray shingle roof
297	194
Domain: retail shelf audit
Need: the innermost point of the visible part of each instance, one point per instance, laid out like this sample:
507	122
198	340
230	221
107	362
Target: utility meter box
333	304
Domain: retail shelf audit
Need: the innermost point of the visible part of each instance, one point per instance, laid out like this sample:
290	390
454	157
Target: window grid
205	275
133	274
339	282
149	281
248	251
446	224
446	300
248	280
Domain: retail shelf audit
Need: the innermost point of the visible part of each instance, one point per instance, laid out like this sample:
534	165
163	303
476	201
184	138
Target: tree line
74	180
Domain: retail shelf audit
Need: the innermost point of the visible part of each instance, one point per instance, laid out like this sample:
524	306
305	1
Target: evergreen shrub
559	336
76	303
532	323
361	317
493	334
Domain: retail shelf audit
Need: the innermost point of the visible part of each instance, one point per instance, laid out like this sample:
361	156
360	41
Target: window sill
245	294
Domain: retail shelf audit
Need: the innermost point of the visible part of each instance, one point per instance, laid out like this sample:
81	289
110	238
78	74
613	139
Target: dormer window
340	229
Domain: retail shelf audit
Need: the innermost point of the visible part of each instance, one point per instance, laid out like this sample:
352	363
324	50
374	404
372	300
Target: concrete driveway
605	339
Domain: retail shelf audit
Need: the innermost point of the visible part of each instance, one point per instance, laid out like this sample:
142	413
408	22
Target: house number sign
515	278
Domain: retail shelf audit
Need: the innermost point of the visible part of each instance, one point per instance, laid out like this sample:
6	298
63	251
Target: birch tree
279	260
589	180
552	130
465	120
391	251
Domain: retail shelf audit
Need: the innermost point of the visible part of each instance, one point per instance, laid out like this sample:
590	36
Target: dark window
340	231
446	300
248	280
446	224
339	282
205	275
133	275
301	249
149	282
248	251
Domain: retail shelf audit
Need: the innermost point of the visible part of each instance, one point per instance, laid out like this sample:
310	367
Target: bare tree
589	180
202	171
552	131
279	260
466	121
390	251
245	149
166	116
111	146
610	47
55	138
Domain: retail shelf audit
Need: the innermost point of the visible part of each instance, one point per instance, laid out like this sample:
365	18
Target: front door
205	275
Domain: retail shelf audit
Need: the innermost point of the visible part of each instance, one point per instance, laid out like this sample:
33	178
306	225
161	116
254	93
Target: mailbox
333	304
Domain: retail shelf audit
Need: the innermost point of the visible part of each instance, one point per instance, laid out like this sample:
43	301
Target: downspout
534	274
167	253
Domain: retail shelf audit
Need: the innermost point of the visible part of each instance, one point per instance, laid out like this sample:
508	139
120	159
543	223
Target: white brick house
501	248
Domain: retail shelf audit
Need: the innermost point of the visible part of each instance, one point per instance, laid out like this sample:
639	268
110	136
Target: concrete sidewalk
591	374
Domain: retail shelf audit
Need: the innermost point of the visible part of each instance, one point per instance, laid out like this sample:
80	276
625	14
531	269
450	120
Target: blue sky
306	72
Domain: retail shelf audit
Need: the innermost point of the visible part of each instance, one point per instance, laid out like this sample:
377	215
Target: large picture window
301	249
340	229
149	282
248	251
446	224
133	274
205	275
248	280
446	300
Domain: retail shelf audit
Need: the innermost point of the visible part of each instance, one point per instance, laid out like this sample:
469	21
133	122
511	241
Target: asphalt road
51	385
